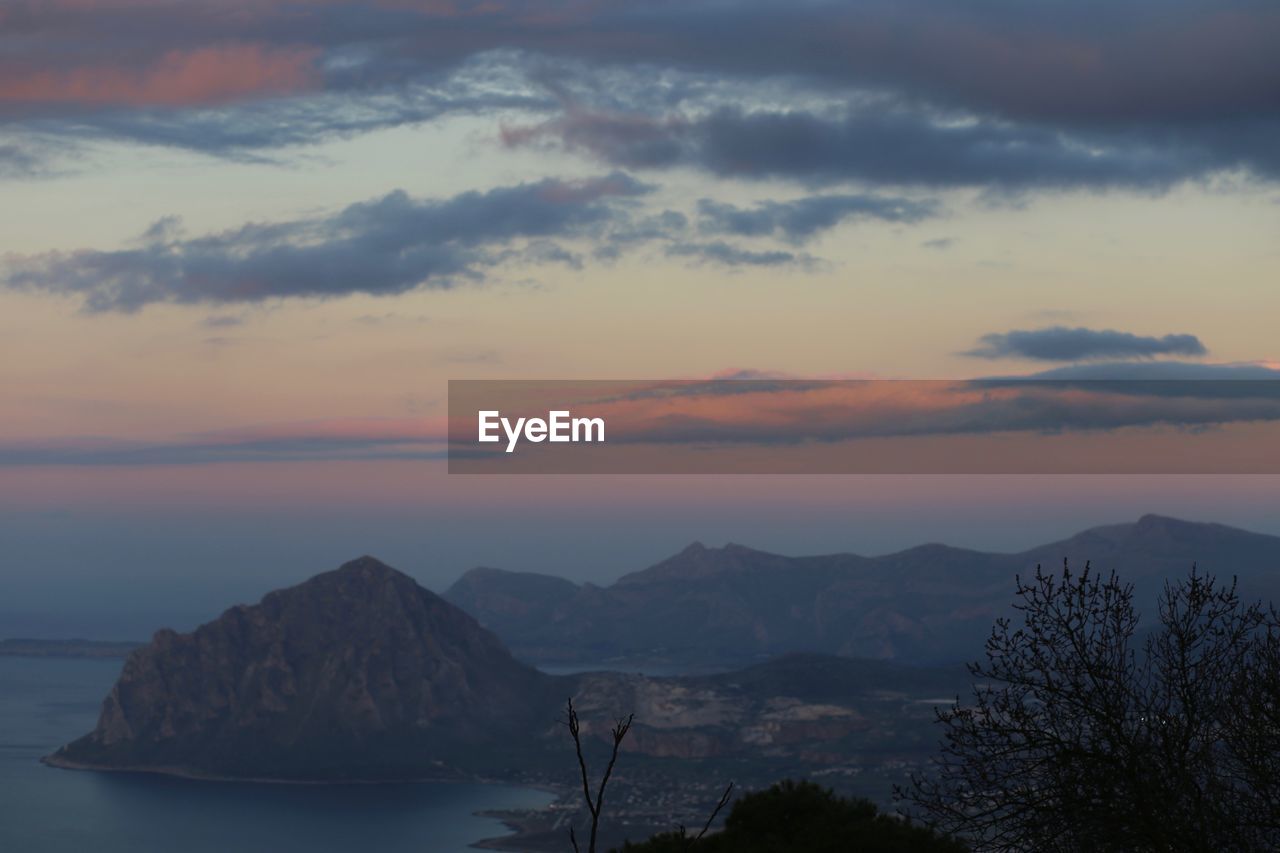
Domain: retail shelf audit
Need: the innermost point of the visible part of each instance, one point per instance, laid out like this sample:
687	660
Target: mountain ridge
928	603
360	674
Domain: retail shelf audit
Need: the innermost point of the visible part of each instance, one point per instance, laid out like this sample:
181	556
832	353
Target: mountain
521	598
361	674
932	603
357	673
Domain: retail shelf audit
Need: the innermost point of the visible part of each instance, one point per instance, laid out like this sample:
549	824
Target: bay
46	702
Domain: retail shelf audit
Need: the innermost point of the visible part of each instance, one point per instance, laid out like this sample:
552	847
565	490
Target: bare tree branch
594	805
724	801
1080	737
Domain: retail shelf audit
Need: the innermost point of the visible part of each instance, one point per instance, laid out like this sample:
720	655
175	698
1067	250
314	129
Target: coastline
525	826
58	762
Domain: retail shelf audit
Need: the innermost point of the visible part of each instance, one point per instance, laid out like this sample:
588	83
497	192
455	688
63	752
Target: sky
242	243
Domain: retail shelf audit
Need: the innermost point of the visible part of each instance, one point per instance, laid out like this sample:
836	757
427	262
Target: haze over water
46	702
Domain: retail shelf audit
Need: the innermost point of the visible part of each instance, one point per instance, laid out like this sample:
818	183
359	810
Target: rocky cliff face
357	673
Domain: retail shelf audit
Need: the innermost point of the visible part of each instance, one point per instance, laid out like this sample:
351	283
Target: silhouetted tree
1081	737
801	817
595	803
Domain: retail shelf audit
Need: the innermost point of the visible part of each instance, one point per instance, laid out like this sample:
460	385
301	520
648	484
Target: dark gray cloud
1060	343
887	144
386	246
799	220
398	243
1085	61
1077	93
1091	62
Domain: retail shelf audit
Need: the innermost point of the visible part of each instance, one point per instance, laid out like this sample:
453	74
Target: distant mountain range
361	674
734	605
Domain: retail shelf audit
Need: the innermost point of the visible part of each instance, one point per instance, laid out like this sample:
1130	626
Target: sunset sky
241	243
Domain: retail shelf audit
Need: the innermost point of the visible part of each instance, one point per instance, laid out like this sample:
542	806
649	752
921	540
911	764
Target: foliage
1081	736
802	817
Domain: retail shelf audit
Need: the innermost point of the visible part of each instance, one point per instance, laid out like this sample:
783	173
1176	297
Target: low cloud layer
756	408
316	441
1060	343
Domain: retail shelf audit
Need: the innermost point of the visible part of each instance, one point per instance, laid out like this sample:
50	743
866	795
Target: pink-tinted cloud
905	426
204	76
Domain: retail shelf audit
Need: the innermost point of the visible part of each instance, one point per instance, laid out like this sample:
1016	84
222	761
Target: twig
594	805
724	801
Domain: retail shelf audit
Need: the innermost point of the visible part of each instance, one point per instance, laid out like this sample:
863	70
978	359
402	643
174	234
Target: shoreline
519	823
60	763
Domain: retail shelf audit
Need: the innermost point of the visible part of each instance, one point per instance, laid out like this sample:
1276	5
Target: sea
46	702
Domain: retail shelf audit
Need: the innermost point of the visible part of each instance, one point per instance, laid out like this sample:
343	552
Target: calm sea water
47	702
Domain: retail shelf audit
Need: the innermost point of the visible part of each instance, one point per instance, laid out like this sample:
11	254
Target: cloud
397	243
798	410
386	246
1134	93
1187	61
789	412
251	129
720	252
19	161
1060	343
889	144
800	220
321	440
1158	372
208	75
749	407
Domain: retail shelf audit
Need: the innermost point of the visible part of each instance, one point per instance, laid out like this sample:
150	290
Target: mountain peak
359	579
316	681
368	567
1151	520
